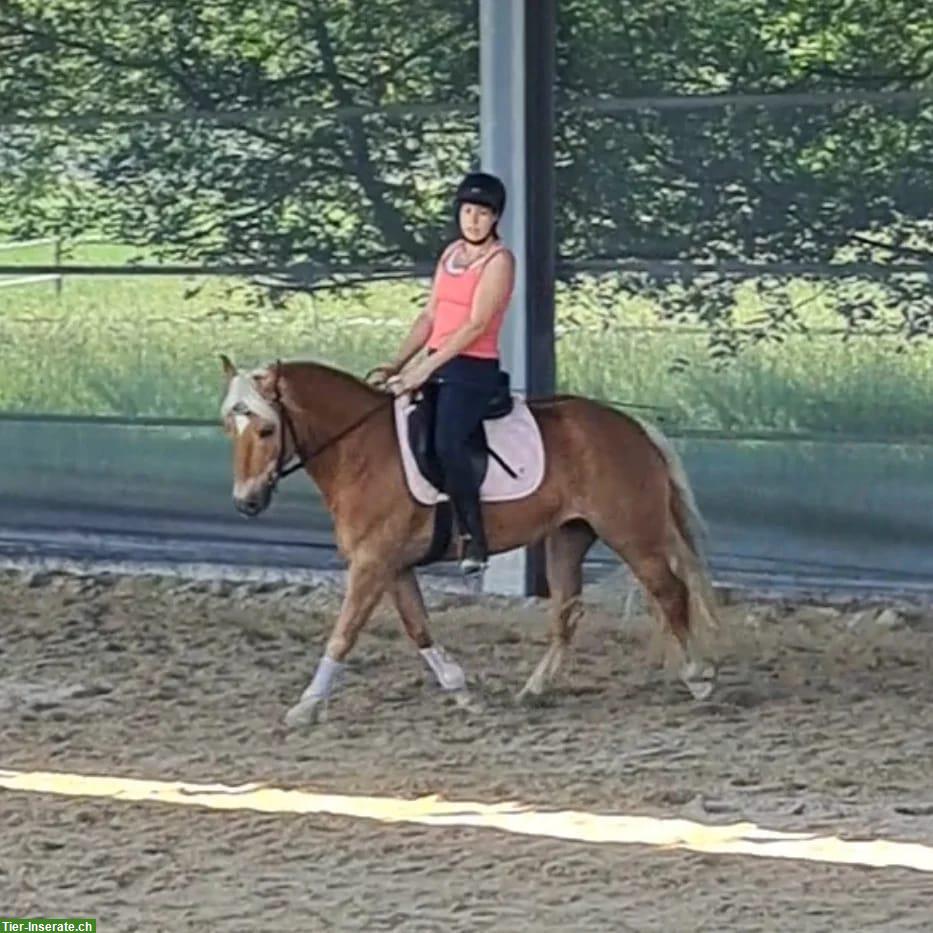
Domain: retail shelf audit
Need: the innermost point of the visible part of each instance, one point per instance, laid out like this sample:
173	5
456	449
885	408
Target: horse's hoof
305	713
702	690
465	700
531	698
700	679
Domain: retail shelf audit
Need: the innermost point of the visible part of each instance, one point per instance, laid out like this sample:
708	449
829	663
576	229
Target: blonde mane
243	397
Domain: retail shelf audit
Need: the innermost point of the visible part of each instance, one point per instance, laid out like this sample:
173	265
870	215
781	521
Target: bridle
287	427
281	470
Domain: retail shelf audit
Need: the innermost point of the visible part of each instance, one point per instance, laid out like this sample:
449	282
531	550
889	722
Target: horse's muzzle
251	505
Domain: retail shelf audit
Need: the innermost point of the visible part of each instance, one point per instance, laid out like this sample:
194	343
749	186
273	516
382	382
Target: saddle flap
420	430
502	403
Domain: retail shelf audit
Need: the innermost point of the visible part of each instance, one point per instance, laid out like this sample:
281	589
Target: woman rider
460	327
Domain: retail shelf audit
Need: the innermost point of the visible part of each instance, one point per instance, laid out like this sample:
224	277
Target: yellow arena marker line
574	825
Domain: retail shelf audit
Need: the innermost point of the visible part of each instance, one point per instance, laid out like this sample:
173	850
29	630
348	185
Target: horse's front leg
406	593
366	584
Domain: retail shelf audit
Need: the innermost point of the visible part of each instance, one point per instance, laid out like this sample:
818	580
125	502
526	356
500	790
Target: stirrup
470	563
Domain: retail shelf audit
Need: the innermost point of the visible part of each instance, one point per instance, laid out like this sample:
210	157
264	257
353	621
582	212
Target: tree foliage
258	188
286	176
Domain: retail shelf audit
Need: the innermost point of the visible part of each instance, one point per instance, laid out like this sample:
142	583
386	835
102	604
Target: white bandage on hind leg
448	672
328	670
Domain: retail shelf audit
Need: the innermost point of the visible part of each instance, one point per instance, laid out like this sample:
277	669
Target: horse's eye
266	430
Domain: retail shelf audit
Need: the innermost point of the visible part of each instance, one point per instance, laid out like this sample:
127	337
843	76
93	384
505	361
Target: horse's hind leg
409	602
670	600
564	550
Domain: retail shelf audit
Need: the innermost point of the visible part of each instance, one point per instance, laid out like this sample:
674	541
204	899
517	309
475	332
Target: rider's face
476	222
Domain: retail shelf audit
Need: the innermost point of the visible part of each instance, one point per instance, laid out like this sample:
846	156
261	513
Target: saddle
506	449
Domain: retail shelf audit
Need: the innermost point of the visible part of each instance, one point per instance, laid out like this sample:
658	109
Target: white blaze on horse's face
256	432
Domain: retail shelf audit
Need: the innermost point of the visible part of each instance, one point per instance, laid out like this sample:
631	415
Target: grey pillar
517	67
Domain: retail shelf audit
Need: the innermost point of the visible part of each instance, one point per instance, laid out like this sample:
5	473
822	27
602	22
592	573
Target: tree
312	164
759	184
265	187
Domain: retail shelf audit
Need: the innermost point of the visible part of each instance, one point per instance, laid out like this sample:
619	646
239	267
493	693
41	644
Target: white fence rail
58	279
30	280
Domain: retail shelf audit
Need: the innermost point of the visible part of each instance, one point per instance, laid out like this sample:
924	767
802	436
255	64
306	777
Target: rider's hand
380	375
412	378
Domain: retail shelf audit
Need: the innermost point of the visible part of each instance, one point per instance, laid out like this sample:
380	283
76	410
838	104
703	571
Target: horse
607	475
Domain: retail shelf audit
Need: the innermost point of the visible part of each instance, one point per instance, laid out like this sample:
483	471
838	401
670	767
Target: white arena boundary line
578	826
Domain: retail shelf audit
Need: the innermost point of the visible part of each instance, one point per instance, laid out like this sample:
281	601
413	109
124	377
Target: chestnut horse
607	476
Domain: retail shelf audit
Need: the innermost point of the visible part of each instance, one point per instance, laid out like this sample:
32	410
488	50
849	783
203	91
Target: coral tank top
454	289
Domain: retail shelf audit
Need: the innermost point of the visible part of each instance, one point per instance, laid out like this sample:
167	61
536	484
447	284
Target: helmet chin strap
473	242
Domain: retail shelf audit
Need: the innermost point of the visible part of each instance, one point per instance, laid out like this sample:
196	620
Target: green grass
139	346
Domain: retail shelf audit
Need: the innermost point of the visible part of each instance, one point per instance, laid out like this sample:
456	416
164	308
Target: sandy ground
823	722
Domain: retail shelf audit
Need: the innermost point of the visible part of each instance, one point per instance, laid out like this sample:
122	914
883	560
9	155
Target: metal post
517	54
540	246
59	278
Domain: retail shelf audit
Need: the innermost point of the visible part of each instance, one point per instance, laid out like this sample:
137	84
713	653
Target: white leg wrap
448	672
700	678
327	672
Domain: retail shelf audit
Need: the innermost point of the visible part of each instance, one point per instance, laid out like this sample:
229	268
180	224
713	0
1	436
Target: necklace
465	262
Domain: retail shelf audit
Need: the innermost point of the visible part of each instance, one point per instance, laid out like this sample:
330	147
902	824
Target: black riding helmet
481	188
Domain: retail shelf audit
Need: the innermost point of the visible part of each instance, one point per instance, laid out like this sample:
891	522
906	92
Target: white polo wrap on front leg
448	672
328	671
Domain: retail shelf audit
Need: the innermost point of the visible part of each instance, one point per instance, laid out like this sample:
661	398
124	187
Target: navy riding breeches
466	386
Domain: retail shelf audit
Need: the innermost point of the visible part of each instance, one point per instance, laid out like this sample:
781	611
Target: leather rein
287	427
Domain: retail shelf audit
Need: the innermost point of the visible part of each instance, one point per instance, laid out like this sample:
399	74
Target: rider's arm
495	286
420	330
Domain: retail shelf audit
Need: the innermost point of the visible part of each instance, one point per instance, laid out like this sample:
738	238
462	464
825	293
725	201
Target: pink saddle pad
516	438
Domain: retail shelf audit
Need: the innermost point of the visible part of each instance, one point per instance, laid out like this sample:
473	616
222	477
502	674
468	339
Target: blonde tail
688	558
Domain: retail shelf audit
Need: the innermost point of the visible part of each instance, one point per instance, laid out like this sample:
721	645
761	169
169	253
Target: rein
285	423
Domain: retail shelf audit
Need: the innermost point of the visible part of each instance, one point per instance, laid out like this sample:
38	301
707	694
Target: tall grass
147	346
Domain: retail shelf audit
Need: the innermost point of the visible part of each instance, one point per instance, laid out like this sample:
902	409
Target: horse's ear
229	368
267	381
275	377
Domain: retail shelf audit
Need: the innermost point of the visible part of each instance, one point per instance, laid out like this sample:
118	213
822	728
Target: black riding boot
474	552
